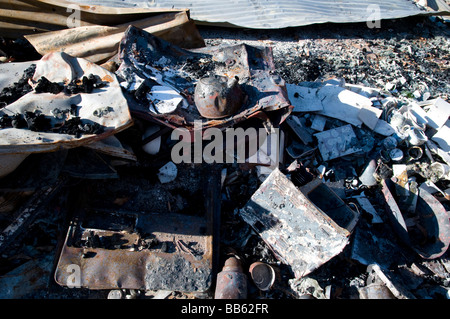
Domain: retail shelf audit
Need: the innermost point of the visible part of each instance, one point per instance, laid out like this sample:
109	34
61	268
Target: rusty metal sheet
427	230
144	249
21	17
295	225
138	251
393	211
433	221
62	68
12	72
98	43
149	61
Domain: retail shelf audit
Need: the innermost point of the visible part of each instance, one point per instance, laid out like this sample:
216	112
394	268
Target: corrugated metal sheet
273	14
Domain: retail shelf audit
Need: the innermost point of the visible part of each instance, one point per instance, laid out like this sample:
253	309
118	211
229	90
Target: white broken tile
268	153
442	137
342	104
304	99
366	205
318	123
369	116
165	100
438	151
152	147
437	112
384	128
418	114
168	173
363	90
337	142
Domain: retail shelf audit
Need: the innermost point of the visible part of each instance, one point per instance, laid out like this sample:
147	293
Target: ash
409	58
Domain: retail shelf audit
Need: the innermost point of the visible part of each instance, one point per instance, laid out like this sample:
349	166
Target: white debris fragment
115	294
342	104
153	146
383	128
307	286
441	170
304	99
367	176
442	137
378	275
368	92
165	100
168	173
416	136
369	116
416	114
337	142
318	123
438	111
366	205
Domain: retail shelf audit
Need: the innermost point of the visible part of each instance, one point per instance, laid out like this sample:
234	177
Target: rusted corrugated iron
23	17
271	14
98	43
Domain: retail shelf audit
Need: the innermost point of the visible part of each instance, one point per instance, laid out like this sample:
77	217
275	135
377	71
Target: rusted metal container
218	96
263	275
231	281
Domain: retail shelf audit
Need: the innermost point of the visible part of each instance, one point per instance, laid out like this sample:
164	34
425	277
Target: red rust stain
91	8
107	78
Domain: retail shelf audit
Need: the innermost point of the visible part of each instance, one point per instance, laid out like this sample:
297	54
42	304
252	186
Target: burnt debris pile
313	165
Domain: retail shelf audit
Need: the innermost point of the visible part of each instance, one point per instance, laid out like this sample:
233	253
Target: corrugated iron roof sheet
273	14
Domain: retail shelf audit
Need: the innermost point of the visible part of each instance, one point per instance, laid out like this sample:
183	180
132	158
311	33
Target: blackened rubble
405	59
45	86
67	122
38	122
84	85
75	126
18	89
403	56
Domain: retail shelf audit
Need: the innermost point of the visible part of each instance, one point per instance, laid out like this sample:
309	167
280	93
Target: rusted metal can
218	96
231	281
263	275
